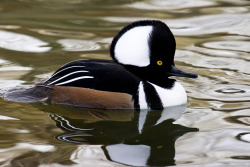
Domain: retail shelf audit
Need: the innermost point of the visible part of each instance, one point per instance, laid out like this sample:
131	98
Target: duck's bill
174	71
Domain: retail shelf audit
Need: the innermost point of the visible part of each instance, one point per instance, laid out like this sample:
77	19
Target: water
38	36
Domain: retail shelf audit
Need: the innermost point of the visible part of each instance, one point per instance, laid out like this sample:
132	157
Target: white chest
169	97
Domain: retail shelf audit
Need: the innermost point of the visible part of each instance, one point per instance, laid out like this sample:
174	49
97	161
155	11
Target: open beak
174	71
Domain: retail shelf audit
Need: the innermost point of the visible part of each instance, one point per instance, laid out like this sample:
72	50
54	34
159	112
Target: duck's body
106	84
137	78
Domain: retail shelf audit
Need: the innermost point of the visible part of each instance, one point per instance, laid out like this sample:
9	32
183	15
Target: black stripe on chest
152	97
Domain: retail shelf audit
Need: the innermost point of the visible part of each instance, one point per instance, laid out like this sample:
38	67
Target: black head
147	49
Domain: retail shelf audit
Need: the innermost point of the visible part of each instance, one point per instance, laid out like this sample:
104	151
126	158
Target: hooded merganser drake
136	78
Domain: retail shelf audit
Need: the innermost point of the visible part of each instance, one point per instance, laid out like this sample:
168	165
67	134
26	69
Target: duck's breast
172	97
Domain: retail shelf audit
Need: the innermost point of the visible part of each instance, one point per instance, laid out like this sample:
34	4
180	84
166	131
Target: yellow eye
159	63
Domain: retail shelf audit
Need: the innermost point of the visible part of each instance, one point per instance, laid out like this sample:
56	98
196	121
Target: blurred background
39	36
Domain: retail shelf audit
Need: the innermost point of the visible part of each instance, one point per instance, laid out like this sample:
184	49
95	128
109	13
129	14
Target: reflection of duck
143	59
132	138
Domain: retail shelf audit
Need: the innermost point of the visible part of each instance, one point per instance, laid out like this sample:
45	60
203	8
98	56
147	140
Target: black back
106	76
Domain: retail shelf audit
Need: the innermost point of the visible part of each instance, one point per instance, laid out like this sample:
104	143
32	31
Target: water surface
39	36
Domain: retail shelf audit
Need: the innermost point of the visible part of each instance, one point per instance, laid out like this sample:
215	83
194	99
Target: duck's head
147	48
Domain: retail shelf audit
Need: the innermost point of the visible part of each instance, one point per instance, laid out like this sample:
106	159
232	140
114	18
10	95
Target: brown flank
90	98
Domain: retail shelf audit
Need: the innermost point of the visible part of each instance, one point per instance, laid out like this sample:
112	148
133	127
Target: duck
137	77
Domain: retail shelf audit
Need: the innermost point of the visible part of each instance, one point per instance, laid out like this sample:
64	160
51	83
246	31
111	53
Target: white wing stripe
75	79
65	69
61	71
67	76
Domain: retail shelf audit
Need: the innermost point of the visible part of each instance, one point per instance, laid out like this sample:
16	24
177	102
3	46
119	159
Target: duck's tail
37	93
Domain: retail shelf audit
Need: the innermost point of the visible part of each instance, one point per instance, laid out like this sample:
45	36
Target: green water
39	36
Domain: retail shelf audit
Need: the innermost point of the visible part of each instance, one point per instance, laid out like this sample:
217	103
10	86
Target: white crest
132	47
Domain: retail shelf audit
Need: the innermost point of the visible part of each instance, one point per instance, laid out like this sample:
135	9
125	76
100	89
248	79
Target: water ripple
214	92
244	137
214	148
229	10
229	45
214	62
78	45
239	119
202	25
60	33
209	24
10	74
21	42
2	117
170	5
